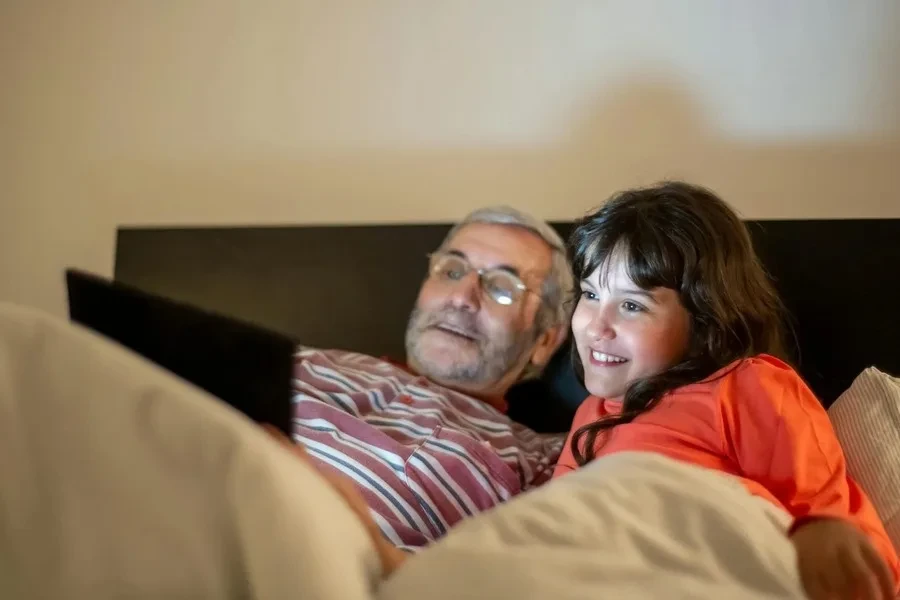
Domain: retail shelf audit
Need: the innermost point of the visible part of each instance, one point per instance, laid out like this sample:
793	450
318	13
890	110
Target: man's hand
391	556
838	562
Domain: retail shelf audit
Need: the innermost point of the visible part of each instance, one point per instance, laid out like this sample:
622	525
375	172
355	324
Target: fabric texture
629	526
424	456
757	421
866	420
118	480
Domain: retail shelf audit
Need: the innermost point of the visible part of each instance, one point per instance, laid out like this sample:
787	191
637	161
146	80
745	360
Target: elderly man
428	442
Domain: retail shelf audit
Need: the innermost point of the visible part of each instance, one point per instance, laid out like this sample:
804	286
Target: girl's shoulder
762	369
761	376
761	365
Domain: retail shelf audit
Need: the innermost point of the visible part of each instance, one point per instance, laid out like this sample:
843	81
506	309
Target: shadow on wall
648	132
639	133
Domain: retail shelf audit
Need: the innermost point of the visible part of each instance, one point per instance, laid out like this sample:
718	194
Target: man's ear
547	344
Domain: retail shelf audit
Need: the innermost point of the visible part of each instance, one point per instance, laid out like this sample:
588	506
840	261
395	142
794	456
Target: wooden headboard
352	287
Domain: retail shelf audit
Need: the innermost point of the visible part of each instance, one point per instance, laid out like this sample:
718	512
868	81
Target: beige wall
180	111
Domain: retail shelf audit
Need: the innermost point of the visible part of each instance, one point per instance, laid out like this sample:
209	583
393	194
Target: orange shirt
758	421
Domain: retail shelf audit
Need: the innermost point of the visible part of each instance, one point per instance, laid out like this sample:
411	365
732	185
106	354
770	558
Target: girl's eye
630	306
588	295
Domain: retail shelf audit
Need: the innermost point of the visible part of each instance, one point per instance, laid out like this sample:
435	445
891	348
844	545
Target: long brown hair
684	237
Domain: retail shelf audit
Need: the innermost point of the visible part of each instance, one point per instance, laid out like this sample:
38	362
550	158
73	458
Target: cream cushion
866	418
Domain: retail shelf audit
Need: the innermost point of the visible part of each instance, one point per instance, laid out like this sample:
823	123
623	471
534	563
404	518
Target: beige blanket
118	480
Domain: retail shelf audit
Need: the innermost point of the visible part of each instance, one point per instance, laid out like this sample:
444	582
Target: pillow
866	418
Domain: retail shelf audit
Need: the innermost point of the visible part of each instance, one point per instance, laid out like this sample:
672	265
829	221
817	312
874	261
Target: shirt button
405	399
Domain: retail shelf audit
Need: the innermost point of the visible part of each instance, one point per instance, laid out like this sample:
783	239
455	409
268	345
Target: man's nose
465	294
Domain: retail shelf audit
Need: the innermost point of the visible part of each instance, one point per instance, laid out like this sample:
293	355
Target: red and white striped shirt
423	456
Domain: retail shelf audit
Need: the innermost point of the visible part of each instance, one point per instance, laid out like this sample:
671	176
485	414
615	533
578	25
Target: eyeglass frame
481	271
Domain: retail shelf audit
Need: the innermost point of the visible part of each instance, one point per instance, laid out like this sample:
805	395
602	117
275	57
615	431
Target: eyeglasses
499	285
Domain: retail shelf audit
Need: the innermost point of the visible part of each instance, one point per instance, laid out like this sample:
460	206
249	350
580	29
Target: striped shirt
424	456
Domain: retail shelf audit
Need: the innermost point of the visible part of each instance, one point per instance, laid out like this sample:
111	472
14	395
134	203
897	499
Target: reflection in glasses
498	284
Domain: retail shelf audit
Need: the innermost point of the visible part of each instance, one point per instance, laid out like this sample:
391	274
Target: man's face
461	337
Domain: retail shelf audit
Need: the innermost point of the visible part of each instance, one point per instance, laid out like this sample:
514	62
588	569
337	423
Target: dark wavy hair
684	237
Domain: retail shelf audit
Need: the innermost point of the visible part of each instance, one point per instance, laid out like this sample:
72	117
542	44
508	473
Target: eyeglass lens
501	286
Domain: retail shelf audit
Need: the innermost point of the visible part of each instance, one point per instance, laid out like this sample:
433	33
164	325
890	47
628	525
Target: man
428	443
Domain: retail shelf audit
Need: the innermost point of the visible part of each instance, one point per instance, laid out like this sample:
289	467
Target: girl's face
624	333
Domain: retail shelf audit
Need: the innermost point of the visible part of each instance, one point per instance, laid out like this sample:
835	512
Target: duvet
118	480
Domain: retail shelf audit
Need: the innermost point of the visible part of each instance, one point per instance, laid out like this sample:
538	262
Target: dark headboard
352	287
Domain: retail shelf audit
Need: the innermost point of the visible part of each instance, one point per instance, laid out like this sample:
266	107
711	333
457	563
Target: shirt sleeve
781	437
586	413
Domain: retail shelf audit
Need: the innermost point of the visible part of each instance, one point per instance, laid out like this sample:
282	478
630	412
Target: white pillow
866	418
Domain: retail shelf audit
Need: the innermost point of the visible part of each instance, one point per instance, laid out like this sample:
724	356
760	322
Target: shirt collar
498	402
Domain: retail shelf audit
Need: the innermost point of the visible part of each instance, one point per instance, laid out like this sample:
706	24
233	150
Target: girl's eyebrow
637	292
625	291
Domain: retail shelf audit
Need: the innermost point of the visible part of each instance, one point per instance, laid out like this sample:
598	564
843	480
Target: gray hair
556	291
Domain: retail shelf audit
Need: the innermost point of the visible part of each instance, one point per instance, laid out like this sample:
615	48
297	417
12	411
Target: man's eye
455	274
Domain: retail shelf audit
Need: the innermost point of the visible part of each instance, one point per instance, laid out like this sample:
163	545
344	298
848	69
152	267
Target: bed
197	502
352	287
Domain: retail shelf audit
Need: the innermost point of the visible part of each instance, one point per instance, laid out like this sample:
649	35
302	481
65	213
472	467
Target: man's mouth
455	330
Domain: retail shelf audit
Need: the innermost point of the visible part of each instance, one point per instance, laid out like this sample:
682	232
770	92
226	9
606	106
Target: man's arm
392	558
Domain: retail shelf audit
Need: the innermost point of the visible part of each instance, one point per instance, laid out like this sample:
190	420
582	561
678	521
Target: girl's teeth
602	357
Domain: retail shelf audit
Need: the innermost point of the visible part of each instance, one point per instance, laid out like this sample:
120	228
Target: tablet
245	365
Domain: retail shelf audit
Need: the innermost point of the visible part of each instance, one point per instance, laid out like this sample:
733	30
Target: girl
679	336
